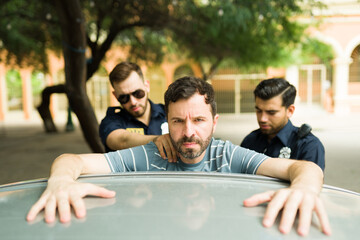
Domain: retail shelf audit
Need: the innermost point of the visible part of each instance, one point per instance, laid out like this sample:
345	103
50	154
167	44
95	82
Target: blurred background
55	57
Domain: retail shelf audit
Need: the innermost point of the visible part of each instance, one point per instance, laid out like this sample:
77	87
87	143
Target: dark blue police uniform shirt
307	148
119	118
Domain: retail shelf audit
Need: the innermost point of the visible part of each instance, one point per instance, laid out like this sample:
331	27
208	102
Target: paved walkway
26	151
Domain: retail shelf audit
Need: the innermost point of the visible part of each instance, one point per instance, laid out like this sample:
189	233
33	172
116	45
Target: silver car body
171	206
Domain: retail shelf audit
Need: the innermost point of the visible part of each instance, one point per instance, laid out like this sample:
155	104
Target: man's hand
62	194
164	142
291	201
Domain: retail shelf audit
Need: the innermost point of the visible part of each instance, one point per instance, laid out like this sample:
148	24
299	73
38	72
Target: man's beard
140	114
272	131
191	153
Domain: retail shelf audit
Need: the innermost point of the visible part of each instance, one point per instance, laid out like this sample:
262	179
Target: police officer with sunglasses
138	120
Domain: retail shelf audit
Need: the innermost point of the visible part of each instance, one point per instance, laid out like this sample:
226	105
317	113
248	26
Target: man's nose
189	129
263	117
133	100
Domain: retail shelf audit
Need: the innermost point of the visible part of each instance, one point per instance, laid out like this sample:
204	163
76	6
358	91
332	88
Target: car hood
170	206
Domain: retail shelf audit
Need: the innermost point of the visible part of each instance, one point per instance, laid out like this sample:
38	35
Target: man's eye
272	113
199	120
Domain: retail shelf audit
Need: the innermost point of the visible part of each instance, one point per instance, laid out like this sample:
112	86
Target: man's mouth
135	109
263	126
189	144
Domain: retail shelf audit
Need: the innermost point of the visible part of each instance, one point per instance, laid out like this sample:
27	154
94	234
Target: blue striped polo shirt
220	156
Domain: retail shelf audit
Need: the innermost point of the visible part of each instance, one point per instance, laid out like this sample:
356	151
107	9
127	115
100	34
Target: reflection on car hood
170	206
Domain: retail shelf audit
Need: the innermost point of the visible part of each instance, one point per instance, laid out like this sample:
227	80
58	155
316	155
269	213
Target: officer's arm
122	139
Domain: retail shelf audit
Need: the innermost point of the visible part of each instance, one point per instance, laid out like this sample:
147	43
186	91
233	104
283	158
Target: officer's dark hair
273	87
123	70
186	87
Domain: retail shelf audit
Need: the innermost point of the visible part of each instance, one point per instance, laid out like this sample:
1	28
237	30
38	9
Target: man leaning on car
190	109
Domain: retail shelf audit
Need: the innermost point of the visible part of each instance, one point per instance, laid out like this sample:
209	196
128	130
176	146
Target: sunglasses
124	98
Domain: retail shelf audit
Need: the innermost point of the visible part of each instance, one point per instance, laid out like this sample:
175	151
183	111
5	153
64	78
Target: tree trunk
74	44
43	108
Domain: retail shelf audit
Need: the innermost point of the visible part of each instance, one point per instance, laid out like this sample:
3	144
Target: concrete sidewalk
26	151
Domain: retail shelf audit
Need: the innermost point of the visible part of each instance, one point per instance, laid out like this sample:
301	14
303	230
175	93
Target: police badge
285	152
164	128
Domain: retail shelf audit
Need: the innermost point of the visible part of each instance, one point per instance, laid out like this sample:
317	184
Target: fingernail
266	223
302	232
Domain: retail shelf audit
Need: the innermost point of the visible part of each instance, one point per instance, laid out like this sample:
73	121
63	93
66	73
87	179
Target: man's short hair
186	87
273	87
123	70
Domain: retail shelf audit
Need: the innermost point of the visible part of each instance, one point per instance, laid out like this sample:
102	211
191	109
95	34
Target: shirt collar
285	133
156	110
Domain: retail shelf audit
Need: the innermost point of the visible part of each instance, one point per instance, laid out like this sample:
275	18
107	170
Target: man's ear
216	117
290	110
147	85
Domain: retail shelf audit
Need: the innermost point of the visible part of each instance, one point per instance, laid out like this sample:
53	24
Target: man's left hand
291	201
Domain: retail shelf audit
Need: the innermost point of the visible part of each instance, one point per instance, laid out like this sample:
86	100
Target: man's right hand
164	142
61	194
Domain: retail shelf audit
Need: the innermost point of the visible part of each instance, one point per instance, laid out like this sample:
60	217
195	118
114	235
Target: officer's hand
163	142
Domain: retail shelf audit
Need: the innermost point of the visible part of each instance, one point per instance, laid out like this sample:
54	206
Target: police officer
276	136
138	121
